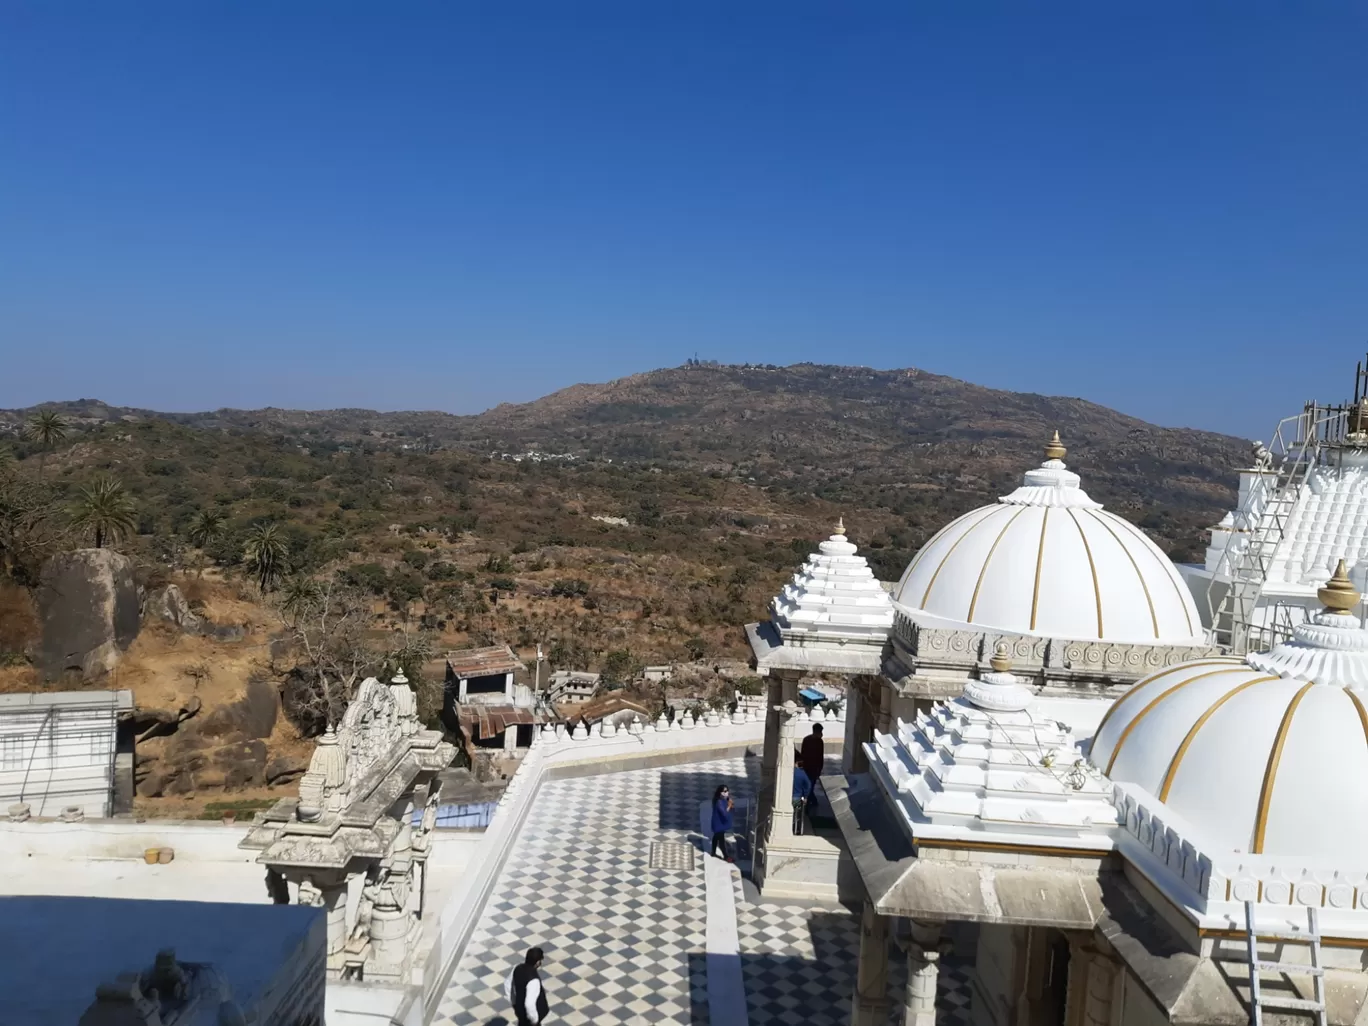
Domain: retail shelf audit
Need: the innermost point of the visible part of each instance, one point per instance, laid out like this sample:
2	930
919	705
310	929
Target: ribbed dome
1266	754
1048	560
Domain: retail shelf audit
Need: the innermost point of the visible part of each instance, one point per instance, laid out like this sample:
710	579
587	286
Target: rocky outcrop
168	604
88	611
222	749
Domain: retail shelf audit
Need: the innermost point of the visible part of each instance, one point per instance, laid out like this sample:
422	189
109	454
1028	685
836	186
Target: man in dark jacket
525	992
812	756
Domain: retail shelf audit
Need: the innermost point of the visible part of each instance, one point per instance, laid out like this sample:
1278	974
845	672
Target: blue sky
1161	207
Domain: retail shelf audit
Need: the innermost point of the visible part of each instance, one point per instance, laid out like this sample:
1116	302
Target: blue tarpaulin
462	817
811	695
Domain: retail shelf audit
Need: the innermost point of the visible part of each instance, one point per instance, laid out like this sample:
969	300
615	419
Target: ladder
1257	965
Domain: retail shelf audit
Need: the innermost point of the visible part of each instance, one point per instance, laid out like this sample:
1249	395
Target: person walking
812	755
722	821
524	990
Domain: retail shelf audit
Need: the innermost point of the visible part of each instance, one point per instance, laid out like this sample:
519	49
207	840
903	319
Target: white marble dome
1267	754
1049	561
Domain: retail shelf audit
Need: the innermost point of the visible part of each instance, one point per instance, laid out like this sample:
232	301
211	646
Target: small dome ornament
1002	659
840	527
1338	594
1055	450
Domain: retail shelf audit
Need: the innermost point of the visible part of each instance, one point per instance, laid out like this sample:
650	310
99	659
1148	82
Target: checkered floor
799	966
625	943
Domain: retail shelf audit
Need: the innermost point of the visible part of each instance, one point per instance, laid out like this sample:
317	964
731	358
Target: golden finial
1001	661
1055	450
840	525
1338	595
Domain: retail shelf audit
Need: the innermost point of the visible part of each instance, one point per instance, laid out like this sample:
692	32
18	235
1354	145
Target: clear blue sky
1162	207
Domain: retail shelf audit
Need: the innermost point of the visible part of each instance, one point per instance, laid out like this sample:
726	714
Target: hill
919	446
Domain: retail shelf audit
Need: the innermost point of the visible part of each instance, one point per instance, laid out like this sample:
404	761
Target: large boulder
167	603
88	609
251	716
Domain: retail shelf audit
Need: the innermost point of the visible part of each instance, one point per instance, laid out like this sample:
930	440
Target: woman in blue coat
722	821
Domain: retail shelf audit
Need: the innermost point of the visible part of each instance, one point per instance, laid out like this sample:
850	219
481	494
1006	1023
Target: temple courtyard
609	876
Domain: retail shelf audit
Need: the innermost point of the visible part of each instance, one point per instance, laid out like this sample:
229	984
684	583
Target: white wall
104	858
58	760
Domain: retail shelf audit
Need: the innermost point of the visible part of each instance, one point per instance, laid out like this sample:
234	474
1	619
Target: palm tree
47	428
105	509
206	527
265	554
297	593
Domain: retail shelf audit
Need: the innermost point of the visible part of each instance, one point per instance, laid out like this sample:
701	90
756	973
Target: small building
482	674
572	686
655	674
60	751
493	716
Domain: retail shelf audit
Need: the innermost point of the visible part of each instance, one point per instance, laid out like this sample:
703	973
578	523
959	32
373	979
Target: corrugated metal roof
478	662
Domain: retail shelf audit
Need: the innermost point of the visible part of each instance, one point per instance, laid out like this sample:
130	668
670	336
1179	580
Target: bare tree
30	527
329	626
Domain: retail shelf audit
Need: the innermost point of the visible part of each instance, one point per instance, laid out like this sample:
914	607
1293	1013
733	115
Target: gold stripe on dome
1177	759
1271	770
1135	688
1135	721
1097	589
984	569
931	542
953	545
1154	617
1362	712
1165	567
1040	561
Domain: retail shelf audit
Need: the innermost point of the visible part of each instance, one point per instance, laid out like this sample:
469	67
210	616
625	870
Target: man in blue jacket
722	821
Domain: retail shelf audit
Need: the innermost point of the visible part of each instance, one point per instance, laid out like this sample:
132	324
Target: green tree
265	554
104	510
47	428
207	527
298	592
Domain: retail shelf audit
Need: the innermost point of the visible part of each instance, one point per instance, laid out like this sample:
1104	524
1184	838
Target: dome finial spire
1055	450
1338	595
840	526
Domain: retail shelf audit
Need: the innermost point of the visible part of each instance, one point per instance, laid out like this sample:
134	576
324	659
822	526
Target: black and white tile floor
625	943
799	966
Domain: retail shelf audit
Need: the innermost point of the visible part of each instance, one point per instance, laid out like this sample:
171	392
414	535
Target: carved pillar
781	826
1101	985
776	787
870	1004
1076	987
862	706
331	897
923	971
1033	967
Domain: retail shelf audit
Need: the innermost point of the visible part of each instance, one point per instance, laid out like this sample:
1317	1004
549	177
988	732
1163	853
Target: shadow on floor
682	789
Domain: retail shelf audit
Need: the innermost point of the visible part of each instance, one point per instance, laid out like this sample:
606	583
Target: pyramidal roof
985	764
833	598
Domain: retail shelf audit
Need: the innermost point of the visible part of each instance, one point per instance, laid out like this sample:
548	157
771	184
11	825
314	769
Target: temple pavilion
1042	742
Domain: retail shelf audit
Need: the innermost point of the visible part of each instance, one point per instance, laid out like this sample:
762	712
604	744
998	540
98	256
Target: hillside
919	446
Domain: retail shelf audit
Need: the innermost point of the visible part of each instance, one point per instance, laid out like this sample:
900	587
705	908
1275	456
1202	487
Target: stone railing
1170	851
556	748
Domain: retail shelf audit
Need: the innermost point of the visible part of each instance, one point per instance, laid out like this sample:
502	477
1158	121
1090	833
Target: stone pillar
331	897
1076	990
862	706
884	718
789	722
923	971
870	1004
1097	1009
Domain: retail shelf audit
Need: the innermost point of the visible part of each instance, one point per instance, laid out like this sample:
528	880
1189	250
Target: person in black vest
525	992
